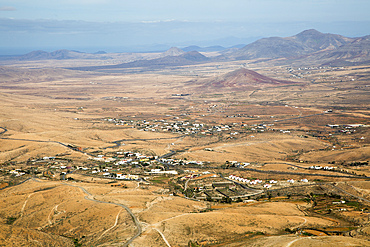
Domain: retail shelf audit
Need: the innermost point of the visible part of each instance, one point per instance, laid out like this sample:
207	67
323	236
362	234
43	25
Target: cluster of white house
185	127
304	180
180	162
320	167
196	174
239	164
258	181
159	171
127	176
160	125
17	172
135	158
116	175
178	126
245	180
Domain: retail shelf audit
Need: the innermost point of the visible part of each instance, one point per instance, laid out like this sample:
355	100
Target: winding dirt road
137	223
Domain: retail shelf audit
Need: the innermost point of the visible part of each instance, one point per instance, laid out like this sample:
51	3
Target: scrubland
62	113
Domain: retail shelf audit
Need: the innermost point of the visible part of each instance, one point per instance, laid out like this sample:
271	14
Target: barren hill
301	44
313	40
242	78
354	53
188	58
204	49
59	54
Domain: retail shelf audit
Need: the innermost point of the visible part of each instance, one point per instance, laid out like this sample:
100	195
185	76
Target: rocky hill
240	79
304	43
58	54
204	49
309	47
355	53
188	58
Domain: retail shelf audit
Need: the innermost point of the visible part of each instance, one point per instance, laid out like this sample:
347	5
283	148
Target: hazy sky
142	24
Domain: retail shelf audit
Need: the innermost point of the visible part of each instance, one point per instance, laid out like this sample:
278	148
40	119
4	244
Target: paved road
4	130
345	192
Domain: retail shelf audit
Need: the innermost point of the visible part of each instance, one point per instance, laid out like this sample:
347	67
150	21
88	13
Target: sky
144	25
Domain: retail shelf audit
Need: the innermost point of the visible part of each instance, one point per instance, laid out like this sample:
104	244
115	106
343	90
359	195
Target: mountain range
185	58
305	48
304	43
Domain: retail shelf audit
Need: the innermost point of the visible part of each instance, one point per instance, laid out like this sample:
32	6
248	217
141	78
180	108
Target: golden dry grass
294	241
44	106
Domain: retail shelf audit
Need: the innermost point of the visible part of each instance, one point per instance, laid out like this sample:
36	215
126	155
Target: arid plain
219	115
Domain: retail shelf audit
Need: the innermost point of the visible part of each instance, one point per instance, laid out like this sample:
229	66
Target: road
118	142
302	173
186	184
136	221
345	192
4	130
56	142
307	168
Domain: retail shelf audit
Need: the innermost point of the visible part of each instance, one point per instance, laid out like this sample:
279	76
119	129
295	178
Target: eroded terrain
184	156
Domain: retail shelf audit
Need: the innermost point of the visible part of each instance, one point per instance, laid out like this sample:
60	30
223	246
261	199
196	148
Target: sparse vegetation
11	220
200	158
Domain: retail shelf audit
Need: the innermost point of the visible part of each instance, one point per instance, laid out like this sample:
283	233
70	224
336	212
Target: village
186	127
173	126
195	180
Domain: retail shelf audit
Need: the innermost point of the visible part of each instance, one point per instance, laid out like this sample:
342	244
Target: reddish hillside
244	77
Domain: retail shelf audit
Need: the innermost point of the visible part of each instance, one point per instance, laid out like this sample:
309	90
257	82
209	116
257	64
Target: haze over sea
134	26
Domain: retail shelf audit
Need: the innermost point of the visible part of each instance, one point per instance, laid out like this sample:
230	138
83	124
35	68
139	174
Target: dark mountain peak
192	48
63	54
309	33
188	58
313	39
61	51
100	52
35	55
38	52
204	49
194	56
